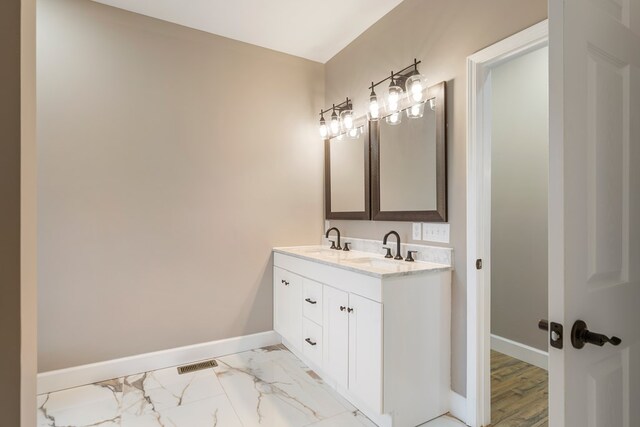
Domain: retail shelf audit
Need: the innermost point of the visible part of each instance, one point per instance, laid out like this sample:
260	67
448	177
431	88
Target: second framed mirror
409	162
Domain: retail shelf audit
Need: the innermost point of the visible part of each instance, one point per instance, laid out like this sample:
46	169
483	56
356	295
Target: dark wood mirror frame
362	215
438	92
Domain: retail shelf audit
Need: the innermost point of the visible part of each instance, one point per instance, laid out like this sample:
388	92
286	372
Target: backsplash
425	253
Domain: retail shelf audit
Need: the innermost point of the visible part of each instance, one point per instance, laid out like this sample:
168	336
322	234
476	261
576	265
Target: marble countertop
361	262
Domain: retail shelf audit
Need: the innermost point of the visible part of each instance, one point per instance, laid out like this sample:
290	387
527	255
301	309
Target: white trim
116	368
520	351
457	406
478	213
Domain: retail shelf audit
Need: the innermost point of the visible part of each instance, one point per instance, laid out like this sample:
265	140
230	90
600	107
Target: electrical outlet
417	231
435	232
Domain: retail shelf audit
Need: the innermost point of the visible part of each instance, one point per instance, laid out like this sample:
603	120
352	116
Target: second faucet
333	246
384	242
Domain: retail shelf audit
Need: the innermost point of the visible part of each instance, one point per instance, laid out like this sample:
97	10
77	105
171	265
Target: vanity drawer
312	300
312	341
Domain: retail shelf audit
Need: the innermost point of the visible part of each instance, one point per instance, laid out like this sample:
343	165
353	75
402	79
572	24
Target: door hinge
478	264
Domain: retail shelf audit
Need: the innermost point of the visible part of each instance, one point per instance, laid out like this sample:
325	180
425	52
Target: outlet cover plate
417	231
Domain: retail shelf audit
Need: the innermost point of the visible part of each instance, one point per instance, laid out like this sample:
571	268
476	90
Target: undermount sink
320	251
381	263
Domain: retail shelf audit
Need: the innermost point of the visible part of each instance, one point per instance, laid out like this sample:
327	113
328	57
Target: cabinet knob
350	310
343	308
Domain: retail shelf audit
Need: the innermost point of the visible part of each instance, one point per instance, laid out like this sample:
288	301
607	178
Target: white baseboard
519	351
458	406
88	374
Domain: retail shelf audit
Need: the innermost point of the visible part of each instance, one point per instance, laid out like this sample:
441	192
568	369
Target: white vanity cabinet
381	340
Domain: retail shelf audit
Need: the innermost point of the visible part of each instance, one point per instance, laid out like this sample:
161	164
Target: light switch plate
417	231
435	232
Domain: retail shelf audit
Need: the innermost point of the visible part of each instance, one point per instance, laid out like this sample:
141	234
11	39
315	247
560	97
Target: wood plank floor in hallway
519	393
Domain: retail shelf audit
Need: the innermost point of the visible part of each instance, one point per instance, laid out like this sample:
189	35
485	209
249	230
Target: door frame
479	66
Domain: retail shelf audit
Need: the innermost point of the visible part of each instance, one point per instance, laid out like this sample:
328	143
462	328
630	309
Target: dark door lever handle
580	336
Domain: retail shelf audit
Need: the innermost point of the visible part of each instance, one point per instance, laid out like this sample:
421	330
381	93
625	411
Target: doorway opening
507	191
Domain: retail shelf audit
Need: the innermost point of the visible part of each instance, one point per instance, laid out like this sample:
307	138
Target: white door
335	359
594	209
365	351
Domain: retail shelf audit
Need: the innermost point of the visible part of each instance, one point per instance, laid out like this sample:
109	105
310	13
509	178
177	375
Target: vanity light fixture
396	98
341	119
342	122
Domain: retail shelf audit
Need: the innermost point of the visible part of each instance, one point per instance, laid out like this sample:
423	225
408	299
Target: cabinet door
294	312
335	360
365	351
279	301
287	306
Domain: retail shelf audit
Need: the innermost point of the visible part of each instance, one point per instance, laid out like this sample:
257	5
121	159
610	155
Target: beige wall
442	33
10	212
519	189
171	161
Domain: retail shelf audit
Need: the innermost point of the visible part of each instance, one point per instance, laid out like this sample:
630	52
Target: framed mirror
409	162
347	175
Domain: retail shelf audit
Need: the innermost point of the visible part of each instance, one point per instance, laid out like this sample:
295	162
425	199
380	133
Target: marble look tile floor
264	387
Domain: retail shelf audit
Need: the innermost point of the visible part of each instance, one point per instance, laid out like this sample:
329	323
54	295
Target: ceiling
315	30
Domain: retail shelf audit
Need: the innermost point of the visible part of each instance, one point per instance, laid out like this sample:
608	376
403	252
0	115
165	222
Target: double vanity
375	329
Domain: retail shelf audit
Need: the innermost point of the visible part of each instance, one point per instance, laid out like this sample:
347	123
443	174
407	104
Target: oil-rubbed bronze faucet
384	242
333	246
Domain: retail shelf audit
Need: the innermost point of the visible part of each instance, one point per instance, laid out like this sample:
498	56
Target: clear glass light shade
394	96
323	129
394	118
354	132
334	124
415	111
416	84
432	104
347	119
374	108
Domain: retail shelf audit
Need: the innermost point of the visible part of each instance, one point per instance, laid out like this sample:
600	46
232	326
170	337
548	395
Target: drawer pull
308	340
310	302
